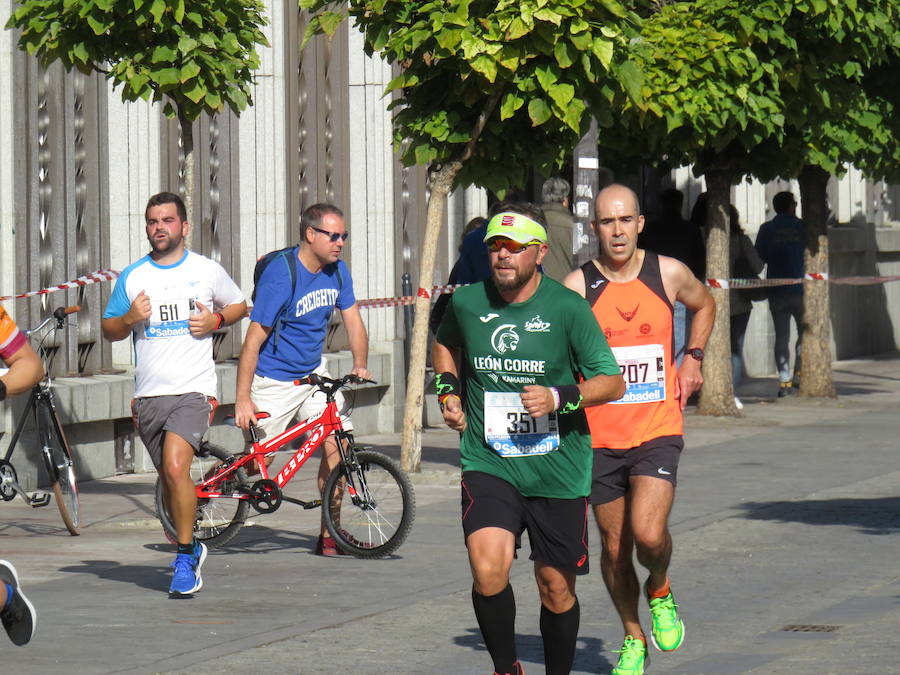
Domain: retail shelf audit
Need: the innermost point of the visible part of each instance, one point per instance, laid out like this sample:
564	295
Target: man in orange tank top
638	439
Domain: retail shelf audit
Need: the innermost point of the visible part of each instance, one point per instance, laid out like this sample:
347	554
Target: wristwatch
696	352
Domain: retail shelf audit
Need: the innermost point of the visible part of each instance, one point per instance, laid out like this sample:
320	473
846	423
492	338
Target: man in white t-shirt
165	301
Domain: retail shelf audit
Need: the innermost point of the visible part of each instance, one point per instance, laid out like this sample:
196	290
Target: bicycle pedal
314	504
39	499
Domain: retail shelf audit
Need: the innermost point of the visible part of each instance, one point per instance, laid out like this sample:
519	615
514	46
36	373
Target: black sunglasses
333	236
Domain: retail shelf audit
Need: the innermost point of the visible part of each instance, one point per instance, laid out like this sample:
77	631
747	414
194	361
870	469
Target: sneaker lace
184	563
663	611
631	652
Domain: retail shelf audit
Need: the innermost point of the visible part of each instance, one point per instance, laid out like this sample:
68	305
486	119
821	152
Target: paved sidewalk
784	563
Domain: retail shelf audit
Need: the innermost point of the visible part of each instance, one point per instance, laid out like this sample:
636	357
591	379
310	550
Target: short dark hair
783	201
167	198
533	211
312	216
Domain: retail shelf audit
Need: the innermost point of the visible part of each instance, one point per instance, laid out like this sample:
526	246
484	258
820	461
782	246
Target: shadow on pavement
872	516
152	577
589	654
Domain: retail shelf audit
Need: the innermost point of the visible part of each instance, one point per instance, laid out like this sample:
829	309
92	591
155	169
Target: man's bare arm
25	370
244	408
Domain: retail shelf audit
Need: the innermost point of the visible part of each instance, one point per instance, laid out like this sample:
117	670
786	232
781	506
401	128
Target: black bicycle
54	446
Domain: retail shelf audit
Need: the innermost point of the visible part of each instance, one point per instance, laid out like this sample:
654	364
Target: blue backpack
288	256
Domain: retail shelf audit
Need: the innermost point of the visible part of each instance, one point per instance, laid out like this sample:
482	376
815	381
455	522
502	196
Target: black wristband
446	384
569	398
2	390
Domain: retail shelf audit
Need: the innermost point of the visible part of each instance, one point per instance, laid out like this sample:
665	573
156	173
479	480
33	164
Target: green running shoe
668	628
632	657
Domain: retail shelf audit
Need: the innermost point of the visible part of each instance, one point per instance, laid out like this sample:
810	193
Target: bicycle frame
321	426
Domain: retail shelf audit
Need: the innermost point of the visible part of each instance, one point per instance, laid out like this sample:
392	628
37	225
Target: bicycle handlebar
321	381
59	315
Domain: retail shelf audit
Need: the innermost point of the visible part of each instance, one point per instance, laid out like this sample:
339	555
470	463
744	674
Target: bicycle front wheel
60	468
218	519
370	506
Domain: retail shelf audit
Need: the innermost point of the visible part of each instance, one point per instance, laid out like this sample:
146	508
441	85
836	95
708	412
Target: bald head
617	224
618	197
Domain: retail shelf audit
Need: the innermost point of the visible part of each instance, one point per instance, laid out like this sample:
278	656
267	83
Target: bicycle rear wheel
370	506
218	519
60	467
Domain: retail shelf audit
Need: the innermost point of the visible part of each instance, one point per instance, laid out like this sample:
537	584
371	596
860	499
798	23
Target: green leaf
632	80
510	104
189	71
603	50
486	65
562	94
99	27
539	111
166	76
79	52
197	92
195	18
330	21
157	9
179	11
564	53
164	54
547	76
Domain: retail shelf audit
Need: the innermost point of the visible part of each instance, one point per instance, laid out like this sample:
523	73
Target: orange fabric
11	339
660	593
631	314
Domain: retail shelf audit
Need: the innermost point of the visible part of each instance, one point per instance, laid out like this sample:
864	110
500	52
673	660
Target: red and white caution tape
409	299
87	279
734	284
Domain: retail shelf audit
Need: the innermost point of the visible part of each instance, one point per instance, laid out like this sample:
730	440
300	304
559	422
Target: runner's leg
491	552
560	617
651	502
616	562
182	497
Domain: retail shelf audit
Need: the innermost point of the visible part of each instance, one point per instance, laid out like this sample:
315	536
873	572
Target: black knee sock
560	632
496	616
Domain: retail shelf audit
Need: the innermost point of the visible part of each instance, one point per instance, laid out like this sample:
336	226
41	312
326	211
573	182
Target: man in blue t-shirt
780	244
272	359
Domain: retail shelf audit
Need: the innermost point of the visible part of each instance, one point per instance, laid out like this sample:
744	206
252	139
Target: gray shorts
186	415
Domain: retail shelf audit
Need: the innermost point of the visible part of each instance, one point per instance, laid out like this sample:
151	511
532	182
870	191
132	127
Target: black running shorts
613	468
557	528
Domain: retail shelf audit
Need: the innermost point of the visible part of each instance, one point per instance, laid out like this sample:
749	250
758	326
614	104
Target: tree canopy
199	55
535	60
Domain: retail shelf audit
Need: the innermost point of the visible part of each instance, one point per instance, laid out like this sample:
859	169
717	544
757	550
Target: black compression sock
496	616
560	632
186	548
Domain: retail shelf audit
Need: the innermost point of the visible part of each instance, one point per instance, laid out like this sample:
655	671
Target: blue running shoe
187	579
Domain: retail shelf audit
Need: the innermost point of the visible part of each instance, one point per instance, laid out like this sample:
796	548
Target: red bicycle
371	504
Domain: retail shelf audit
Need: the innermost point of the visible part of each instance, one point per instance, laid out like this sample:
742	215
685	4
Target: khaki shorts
286	401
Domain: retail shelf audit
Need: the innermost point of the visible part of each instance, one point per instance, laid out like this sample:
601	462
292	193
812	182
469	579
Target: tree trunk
440	184
717	394
187	148
815	332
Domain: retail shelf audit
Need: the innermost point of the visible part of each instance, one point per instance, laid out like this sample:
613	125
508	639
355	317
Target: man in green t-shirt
535	356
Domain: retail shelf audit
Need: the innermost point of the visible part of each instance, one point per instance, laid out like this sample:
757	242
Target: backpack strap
287	256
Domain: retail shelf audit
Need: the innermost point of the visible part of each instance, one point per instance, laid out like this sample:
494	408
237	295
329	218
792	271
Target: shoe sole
9	575
199	584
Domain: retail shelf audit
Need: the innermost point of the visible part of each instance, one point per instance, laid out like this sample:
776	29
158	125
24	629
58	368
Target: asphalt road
784	563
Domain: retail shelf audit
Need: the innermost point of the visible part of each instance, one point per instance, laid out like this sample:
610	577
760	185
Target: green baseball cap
517	227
